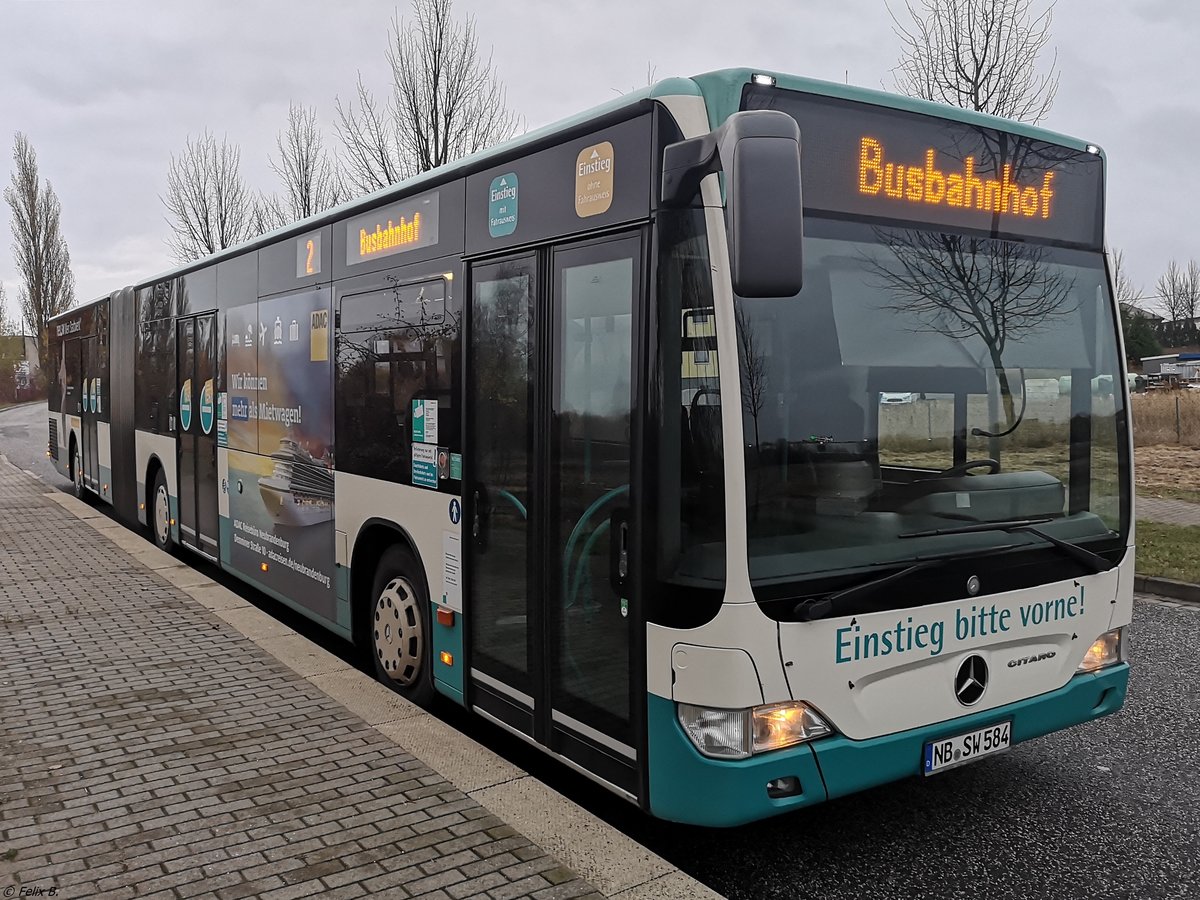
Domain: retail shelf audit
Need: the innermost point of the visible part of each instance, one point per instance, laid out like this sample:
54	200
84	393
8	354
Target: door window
590	475
502	367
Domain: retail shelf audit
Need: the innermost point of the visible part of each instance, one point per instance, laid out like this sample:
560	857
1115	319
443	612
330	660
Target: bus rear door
90	407
197	444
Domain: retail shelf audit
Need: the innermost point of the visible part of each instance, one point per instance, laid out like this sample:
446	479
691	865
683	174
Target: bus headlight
1107	650
739	733
779	725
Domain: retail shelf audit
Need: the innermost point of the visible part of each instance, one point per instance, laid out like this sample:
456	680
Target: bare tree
1178	291
978	54
651	70
1140	337
446	102
754	370
10	350
267	213
311	181
7	324
39	248
967	287
209	204
1123	290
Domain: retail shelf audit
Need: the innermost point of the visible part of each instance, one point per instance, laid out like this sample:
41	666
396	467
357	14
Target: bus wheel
77	471
398	627
160	512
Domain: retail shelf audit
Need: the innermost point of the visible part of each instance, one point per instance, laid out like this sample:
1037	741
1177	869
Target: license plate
964	748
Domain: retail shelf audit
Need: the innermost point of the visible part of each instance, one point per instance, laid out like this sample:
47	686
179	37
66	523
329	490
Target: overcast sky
107	91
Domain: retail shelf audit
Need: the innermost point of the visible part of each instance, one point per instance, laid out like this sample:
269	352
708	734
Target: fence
1166	417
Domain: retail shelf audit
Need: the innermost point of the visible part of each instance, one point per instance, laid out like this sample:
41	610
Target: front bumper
688	787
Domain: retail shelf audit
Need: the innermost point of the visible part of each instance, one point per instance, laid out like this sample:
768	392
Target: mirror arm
686	164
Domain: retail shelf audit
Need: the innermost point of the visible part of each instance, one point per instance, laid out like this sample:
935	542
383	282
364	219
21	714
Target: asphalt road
24	431
1106	810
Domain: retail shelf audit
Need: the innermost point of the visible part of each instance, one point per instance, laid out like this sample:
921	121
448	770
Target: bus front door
197	442
552	598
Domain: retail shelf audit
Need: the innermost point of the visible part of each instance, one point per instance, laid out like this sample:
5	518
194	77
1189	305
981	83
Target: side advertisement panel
278	430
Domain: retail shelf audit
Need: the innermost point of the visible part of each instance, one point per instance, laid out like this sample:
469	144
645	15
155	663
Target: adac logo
185	405
206	406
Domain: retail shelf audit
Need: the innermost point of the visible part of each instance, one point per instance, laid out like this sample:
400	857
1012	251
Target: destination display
866	160
393	229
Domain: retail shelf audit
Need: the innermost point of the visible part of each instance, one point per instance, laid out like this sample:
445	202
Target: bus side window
394	346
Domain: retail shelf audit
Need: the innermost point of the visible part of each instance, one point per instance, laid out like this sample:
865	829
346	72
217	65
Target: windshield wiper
814	608
1093	561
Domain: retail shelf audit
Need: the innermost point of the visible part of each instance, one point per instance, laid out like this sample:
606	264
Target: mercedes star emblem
971	680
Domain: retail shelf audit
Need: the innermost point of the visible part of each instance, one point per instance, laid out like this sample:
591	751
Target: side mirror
759	152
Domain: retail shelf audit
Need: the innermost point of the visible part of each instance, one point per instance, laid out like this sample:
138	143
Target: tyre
159	514
77	472
397	631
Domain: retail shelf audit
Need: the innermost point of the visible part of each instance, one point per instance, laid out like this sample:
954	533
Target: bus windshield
923	381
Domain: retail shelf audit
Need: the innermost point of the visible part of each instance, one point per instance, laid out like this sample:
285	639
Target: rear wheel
77	471
397	629
160	512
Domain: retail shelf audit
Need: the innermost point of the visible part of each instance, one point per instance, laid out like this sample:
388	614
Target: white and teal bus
743	443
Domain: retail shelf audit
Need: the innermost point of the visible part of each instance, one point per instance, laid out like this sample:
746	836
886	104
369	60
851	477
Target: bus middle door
197	442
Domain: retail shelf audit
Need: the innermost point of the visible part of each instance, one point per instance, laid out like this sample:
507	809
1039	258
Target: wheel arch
374	537
153	465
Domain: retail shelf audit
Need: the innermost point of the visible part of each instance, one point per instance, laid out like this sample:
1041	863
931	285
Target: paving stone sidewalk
149	749
1170	512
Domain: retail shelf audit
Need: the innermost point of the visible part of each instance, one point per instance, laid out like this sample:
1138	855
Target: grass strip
1169	551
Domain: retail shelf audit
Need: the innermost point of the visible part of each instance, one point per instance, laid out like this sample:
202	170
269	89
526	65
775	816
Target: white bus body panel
1039	651
715	679
424	515
145	446
104	458
889	692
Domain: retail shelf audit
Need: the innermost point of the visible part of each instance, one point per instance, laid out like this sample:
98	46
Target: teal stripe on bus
688	787
449	639
849	766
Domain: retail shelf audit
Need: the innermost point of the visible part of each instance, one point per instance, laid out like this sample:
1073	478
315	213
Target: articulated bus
743	443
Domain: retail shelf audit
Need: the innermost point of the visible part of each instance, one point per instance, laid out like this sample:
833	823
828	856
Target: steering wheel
965	467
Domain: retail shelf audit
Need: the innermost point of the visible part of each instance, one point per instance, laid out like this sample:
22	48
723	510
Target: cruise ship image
299	491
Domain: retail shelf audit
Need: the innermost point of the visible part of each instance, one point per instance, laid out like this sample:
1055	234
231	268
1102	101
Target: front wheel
397	630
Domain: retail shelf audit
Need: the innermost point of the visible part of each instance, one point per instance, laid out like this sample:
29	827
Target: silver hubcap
399	639
78	475
162	509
